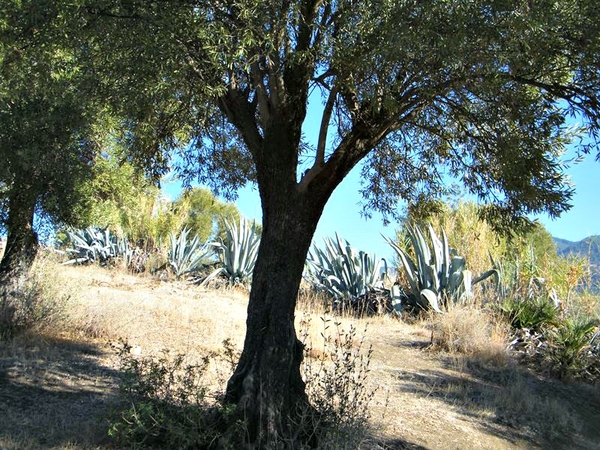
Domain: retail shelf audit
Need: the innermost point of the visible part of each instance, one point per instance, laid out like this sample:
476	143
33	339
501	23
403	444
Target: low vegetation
488	352
40	303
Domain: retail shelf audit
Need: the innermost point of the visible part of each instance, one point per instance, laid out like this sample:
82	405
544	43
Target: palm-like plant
568	342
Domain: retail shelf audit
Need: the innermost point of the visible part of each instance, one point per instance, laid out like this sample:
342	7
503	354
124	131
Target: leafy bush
343	273
166	405
533	314
203	214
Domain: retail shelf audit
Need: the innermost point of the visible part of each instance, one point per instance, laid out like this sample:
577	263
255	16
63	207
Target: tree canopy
118	196
477	90
203	214
47	127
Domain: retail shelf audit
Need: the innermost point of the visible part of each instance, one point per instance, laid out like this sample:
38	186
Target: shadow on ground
398	444
55	392
512	402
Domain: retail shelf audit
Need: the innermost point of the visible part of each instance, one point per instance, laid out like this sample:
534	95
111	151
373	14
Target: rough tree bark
266	386
21	249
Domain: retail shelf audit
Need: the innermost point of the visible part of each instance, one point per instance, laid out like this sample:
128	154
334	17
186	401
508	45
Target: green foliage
501	128
119	192
201	213
126	201
534	313
435	277
185	256
49	129
568	343
344	273
166	405
540	243
524	265
237	253
468	231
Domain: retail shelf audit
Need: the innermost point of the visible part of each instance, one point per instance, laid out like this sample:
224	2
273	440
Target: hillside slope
588	247
57	387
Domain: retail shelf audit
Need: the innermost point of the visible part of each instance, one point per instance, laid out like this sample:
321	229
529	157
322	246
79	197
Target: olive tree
46	133
418	91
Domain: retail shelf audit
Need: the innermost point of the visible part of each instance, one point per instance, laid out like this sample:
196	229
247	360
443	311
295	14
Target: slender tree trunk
20	251
267	386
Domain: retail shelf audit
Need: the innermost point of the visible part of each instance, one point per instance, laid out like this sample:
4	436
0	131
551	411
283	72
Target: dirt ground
58	386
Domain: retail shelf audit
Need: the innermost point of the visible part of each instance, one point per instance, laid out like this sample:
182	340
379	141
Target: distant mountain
588	247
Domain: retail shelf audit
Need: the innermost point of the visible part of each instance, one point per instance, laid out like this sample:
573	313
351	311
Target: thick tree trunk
21	249
267	386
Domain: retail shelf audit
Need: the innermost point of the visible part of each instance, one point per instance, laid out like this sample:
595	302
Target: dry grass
470	331
466	394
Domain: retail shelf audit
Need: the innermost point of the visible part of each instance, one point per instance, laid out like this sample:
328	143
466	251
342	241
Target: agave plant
94	245
186	255
343	272
435	276
237	253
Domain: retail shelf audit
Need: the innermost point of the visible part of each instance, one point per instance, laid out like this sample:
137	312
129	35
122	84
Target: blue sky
583	219
343	212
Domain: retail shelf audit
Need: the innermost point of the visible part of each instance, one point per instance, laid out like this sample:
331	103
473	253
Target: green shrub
531	313
569	343
166	405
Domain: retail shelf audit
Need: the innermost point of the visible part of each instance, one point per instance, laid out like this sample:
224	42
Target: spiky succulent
186	255
343	272
94	245
237	252
435	276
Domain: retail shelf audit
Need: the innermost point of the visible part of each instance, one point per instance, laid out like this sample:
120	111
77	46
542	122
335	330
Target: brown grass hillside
448	385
